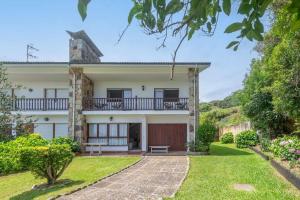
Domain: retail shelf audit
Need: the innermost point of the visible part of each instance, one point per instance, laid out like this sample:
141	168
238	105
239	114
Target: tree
184	18
271	94
224	112
229	101
6	104
47	161
264	118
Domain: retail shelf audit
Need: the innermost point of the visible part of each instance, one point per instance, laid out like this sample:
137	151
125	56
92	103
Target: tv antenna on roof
29	54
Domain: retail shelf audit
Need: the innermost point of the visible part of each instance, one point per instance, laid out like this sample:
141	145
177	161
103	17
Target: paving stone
155	177
244	187
165	191
102	184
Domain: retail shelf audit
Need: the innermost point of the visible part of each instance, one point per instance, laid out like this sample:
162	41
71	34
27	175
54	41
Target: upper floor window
167	94
119	93
56	93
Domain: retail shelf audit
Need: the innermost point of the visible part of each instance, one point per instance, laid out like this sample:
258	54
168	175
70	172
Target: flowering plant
286	148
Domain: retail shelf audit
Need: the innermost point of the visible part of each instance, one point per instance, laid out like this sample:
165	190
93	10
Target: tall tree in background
271	97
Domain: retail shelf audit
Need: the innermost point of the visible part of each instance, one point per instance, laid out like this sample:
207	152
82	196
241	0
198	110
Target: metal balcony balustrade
106	104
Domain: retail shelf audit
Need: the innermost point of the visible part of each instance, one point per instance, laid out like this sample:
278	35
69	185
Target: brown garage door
173	135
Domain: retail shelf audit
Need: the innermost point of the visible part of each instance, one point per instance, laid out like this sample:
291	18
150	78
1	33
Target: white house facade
125	106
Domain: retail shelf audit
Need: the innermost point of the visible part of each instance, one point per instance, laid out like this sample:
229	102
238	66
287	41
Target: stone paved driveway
154	177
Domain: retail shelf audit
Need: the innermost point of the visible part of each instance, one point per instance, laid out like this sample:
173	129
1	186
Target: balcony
100	104
40	104
126	104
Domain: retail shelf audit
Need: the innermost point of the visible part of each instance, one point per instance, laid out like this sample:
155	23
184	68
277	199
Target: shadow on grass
32	194
220	150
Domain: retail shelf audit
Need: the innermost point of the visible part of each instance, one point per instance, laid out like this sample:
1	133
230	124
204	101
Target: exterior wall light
111	118
30	90
143	87
46	119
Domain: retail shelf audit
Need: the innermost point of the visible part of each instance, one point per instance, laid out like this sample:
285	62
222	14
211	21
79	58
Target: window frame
176	99
117	99
55	92
107	133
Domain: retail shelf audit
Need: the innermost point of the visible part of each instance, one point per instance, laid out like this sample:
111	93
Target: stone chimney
82	49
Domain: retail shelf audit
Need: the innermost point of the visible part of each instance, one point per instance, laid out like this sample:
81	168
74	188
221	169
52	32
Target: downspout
195	118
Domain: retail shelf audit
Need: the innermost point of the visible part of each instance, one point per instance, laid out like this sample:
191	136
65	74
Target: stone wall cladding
80	87
83	88
193	122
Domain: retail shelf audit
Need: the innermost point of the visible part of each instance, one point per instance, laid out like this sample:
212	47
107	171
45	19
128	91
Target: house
126	106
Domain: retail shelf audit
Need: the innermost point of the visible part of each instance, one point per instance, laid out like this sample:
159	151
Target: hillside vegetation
224	112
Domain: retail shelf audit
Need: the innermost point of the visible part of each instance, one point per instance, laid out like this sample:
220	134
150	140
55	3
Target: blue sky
43	23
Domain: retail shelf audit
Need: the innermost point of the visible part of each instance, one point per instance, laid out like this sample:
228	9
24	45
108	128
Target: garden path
154	177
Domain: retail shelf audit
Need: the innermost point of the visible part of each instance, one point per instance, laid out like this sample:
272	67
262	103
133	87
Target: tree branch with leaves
185	18
176	16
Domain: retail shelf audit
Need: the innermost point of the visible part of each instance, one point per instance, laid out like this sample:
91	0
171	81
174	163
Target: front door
134	136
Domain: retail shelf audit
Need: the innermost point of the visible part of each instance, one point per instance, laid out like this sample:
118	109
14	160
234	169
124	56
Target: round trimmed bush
47	161
227	138
246	139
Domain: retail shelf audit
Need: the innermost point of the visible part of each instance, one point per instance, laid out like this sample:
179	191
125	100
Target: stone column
80	86
193	121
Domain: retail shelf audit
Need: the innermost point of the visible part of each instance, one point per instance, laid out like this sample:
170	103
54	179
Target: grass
213	177
82	171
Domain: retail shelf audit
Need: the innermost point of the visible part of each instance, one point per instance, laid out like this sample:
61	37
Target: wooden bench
159	149
97	145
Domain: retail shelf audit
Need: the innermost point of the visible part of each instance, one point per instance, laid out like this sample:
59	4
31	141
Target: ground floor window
51	130
108	134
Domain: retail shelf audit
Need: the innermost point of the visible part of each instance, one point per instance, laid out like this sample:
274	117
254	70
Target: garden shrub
286	148
10	152
9	159
6	137
204	137
75	146
47	161
227	138
246	138
29	140
265	144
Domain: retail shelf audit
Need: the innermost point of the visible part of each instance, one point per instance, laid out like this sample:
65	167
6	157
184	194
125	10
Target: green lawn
212	177
82	171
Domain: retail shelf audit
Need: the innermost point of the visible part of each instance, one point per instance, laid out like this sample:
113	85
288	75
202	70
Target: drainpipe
195	118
